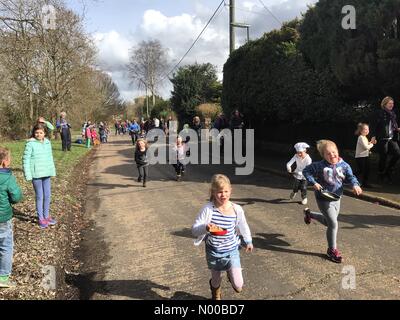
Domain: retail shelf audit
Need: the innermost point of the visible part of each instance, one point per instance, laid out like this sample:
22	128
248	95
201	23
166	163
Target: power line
198	37
251	11
270	12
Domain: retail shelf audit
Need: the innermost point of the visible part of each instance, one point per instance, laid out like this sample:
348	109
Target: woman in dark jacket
384	128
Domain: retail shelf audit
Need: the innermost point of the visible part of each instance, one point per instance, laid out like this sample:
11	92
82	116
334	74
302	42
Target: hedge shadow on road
368	221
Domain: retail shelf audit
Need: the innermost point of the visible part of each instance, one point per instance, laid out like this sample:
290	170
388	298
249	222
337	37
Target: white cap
301	146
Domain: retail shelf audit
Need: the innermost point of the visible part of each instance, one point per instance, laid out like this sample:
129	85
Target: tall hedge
269	81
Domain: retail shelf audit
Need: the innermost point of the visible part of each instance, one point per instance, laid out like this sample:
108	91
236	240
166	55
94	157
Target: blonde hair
323	144
4	154
360	127
385	101
218	182
146	145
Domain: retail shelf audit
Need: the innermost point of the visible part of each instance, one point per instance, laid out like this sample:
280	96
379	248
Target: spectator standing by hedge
385	129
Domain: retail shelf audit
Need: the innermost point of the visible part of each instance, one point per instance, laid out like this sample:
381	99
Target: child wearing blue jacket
329	174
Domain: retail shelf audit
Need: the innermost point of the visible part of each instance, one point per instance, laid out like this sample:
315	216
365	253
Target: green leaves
364	60
193	85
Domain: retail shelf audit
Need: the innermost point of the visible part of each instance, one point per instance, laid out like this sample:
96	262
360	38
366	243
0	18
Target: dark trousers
300	185
385	148
363	169
134	137
143	172
179	168
66	139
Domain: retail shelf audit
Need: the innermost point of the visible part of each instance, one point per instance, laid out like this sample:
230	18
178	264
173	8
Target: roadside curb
365	196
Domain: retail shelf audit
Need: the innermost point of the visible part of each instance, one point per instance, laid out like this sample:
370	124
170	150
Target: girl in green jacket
39	167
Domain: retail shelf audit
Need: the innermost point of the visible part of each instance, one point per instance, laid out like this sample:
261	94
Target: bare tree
147	66
45	70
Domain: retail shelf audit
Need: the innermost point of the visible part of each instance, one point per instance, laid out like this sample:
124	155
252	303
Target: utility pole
233	24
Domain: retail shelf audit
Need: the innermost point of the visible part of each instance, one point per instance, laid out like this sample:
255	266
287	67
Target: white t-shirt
300	165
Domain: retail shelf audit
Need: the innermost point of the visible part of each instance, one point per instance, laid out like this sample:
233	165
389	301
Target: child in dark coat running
142	160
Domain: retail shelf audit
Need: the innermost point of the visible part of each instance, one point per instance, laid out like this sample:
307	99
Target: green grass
64	161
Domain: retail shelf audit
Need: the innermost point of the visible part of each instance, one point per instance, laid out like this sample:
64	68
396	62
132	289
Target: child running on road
180	149
39	167
141	160
302	160
222	251
329	175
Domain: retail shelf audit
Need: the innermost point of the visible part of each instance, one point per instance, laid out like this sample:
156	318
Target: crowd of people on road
220	223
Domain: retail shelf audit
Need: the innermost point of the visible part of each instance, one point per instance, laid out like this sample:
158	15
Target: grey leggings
328	217
143	172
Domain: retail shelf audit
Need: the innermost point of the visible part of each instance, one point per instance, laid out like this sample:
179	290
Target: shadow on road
113	186
366	222
250	201
272	242
135	289
185	233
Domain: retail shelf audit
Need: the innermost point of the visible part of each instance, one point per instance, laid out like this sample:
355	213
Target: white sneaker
304	201
292	195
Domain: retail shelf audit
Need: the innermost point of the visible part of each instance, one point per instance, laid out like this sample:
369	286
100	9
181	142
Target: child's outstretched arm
26	160
309	174
289	164
199	227
351	179
245	230
49	125
14	191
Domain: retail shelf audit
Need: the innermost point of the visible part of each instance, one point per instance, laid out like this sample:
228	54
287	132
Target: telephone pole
233	24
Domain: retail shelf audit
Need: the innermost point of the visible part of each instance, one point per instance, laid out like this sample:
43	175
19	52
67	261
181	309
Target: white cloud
113	50
177	33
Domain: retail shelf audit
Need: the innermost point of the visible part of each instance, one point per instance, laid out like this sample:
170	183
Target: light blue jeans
6	247
222	261
42	188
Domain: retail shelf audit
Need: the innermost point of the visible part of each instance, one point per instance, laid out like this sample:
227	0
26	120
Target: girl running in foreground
222	250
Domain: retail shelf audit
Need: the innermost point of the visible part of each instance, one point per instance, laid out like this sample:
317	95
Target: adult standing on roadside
156	122
236	120
65	132
385	130
197	126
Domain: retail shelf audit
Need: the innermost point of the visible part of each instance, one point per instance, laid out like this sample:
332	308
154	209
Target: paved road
140	244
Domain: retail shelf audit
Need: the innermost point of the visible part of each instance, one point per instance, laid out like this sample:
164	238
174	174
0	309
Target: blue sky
117	26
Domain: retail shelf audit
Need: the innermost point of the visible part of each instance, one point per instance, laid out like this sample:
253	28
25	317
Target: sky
117	26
